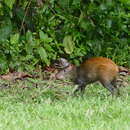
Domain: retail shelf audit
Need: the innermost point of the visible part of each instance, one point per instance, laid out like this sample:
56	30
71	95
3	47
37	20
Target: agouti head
94	69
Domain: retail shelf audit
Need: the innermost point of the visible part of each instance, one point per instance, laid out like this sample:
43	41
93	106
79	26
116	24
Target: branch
29	2
51	8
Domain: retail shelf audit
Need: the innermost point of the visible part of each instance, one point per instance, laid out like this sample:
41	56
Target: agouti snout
94	69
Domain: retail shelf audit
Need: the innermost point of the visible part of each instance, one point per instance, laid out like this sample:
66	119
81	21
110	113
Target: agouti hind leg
109	87
114	83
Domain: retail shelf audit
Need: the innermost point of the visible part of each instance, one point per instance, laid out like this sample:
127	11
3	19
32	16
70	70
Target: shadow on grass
37	91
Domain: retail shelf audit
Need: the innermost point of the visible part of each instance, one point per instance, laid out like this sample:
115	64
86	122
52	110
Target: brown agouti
94	69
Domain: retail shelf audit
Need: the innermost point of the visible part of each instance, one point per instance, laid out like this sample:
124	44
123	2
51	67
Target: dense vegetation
37	32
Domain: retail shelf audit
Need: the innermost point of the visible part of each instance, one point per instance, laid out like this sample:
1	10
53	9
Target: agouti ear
61	63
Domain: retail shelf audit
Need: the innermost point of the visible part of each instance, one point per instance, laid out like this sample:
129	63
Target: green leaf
109	23
48	47
43	55
76	2
109	2
5	32
29	48
9	3
27	58
81	16
29	36
103	7
76	62
64	3
29	45
44	37
14	38
68	44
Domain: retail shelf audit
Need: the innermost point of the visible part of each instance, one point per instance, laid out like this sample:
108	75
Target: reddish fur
100	68
97	69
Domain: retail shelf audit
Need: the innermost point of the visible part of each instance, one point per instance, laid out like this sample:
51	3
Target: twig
29	2
51	8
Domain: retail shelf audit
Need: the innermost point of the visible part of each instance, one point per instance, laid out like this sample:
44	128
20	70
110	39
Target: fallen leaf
123	69
15	75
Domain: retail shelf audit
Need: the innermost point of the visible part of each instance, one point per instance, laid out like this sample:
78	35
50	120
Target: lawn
48	105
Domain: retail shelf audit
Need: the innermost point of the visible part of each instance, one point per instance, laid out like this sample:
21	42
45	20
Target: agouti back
94	69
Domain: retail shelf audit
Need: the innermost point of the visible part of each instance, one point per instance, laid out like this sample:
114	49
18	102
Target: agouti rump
94	69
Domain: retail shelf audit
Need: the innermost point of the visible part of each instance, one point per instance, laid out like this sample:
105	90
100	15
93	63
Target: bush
38	32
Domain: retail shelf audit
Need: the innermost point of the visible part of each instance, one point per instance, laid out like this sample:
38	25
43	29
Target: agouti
94	69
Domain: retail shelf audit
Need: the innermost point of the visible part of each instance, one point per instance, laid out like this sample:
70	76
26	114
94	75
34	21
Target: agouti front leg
82	90
82	87
77	89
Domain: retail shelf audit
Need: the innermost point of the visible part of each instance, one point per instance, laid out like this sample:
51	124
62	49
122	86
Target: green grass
50	106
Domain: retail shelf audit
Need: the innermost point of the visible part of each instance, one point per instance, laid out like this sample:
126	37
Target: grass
50	106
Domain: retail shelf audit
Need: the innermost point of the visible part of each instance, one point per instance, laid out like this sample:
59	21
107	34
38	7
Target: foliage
34	33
